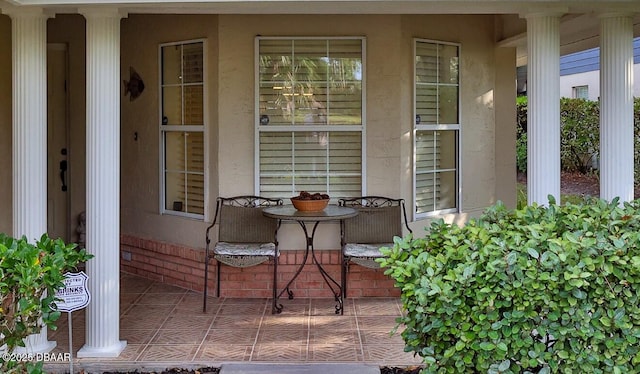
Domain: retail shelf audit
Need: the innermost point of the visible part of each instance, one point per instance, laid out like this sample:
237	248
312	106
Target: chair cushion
245	249
365	250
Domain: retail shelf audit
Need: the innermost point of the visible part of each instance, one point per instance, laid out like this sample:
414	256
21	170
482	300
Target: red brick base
184	267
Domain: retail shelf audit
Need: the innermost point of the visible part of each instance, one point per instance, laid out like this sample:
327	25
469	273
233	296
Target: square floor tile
159	298
279	353
376	307
231	336
224	352
137	336
334	337
335	352
279	321
169	352
283	336
245	309
333	322
380	337
377	322
184	336
187	322
237	321
389	355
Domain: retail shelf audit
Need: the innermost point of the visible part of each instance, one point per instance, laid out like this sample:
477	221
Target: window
309	116
437	127
182	127
581	92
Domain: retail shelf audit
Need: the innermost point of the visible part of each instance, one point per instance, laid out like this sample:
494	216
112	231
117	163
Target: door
58	202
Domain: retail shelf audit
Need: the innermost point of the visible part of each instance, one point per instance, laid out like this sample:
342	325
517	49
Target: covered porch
116	147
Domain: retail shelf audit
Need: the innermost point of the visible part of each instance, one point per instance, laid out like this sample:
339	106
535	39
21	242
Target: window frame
579	90
300	128
164	129
457	128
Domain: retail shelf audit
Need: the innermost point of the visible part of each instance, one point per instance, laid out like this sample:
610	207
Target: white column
29	49
103	183
543	121
616	107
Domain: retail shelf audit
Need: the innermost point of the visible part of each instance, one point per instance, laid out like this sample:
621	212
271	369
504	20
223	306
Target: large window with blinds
437	127
309	116
182	128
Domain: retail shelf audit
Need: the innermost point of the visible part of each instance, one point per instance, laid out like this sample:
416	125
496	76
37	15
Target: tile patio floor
164	327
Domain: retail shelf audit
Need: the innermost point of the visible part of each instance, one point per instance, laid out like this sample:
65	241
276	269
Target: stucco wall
231	130
389	109
481	89
5	126
140	179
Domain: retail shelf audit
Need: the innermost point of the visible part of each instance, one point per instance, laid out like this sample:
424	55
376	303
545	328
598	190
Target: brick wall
184	267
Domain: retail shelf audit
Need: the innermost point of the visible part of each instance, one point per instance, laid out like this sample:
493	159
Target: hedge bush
30	274
537	290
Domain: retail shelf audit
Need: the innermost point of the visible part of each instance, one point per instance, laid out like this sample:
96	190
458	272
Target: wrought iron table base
337	292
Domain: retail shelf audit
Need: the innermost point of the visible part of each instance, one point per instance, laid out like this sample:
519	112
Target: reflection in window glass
437	127
311	81
182	128
315	84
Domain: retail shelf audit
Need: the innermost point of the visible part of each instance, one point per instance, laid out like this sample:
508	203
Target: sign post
74	295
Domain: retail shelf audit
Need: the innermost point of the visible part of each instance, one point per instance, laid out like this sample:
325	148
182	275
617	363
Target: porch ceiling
344	6
580	25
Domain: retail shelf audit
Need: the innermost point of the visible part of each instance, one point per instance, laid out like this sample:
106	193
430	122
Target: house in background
580	73
408	99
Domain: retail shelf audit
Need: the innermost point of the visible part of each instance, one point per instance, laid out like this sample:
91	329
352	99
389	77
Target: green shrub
521	153
29	277
537	290
579	134
521	134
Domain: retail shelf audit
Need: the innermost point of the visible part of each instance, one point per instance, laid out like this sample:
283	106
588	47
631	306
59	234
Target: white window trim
458	127
289	128
576	90
185	128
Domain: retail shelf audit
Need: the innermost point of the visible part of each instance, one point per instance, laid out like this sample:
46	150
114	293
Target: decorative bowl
309	205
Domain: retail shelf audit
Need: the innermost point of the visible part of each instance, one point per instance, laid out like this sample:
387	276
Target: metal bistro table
330	213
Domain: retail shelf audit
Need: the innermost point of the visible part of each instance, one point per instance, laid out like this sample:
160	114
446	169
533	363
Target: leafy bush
29	277
521	153
536	290
521	134
579	134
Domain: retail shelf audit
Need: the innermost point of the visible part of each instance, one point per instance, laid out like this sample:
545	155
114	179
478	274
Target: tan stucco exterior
140	178
487	117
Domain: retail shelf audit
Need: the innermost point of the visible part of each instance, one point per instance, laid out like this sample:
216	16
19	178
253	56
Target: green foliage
29	277
521	152
579	137
521	134
536	290
579	133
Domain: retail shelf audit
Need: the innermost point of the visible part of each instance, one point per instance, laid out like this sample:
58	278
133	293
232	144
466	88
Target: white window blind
310	120
182	128
436	135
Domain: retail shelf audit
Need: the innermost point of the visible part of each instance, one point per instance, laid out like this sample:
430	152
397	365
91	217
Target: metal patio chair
245	237
379	219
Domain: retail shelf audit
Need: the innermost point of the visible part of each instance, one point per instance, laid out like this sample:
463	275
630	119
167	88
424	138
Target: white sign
74	295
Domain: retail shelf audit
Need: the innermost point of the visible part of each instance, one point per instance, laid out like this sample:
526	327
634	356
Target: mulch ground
578	184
